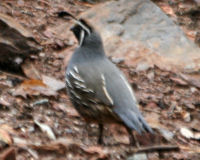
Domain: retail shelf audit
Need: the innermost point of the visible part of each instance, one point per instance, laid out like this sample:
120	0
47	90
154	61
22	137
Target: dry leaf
191	79
5	84
33	153
22	142
197	136
186	132
46	129
7	128
5	137
190	149
96	150
179	81
53	83
168	10
5	131
33	87
60	145
186	116
189	134
4	102
60	106
30	71
8	154
71	112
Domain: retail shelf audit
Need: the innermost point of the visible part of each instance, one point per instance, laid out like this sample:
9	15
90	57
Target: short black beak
72	28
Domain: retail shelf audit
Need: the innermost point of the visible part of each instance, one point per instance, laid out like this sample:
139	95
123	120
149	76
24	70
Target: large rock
16	43
139	31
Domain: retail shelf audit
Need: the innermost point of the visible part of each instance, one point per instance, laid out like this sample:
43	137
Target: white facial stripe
128	86
83	26
105	90
82	35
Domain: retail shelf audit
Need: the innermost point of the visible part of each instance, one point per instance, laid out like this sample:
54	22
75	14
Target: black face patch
77	31
81	30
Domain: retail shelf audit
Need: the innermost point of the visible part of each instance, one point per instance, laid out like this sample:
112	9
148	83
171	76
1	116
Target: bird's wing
88	85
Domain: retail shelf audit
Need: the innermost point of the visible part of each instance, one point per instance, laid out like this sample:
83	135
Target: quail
98	90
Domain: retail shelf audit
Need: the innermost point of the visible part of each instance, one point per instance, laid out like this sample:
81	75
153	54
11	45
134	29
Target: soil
47	127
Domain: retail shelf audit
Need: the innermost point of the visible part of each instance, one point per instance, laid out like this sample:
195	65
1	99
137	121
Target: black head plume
64	14
81	29
82	23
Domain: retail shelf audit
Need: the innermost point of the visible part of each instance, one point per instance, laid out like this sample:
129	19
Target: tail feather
145	125
134	121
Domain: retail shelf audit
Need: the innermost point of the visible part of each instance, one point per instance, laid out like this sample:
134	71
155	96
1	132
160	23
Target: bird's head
84	32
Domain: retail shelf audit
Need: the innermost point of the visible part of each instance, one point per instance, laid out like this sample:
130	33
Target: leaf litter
63	133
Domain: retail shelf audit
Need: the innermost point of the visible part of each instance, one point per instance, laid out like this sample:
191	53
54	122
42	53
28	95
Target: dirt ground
44	125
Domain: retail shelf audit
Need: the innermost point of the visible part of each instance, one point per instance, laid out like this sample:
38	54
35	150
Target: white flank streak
76	69
84	103
128	86
82	35
77	96
92	101
88	90
76	76
68	82
79	84
103	78
105	90
107	95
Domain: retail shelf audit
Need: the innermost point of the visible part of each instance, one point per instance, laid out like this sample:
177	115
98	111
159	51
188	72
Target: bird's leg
136	141
132	138
100	139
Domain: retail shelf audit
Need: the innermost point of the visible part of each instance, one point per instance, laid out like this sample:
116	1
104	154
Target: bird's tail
134	121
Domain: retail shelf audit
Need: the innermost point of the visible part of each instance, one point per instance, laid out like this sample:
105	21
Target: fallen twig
13	75
159	148
150	110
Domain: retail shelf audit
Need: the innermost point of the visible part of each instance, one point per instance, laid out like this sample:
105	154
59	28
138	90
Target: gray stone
143	22
138	156
166	134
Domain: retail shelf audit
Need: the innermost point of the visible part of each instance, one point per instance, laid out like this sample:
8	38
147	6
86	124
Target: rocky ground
186	14
38	121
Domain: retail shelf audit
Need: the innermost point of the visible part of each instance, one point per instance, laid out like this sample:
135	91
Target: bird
98	90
